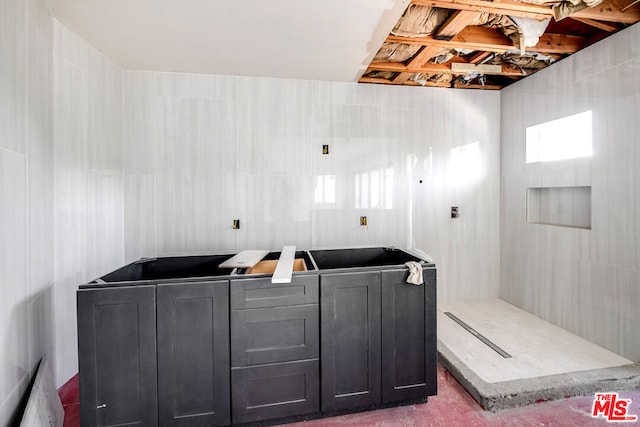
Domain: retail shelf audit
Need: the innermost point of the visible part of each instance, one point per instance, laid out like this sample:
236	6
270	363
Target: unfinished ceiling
490	44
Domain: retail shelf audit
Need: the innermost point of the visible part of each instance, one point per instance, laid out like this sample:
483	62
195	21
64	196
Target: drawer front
275	391
277	334
261	293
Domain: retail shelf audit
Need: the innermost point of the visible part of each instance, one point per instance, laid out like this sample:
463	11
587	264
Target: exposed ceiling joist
476	86
397	67
479	57
504	7
401	78
474	38
604	26
424	56
559	43
611	11
473	47
456	23
493	40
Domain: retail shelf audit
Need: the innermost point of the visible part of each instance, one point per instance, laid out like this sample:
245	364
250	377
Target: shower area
538	282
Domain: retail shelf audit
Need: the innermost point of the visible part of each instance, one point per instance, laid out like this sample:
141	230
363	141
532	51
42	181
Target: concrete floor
540	361
452	407
537	348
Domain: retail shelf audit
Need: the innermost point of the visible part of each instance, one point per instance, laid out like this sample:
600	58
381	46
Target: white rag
415	272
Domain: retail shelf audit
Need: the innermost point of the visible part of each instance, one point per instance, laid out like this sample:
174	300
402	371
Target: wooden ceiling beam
559	44
604	26
457	22
397	67
373	80
493	40
504	7
611	11
474	38
476	86
479	57
401	78
425	55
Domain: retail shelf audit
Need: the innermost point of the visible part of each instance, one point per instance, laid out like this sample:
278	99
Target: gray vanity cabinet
117	356
350	340
193	354
274	348
409	353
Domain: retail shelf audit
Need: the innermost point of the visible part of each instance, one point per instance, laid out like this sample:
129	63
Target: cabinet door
350	340
275	391
117	356
406	357
193	354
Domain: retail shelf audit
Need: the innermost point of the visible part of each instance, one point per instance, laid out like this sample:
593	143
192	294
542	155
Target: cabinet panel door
193	354
260	292
117	356
404	332
430	290
350	340
275	391
276	334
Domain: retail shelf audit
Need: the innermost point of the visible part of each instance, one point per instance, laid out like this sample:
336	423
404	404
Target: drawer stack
274	348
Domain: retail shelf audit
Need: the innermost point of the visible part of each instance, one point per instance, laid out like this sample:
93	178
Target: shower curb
516	393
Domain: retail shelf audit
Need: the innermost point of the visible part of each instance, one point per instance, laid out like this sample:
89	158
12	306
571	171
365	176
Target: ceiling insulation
489	45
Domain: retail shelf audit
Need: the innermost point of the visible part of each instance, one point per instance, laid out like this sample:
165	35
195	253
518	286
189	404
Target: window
561	139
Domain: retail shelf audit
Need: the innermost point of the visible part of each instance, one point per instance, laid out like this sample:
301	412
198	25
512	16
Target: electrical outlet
455	213
236	224
363	221
325	149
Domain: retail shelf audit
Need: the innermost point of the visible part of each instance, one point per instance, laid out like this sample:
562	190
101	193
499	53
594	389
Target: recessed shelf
561	206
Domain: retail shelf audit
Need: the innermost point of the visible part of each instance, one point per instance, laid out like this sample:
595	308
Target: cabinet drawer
275	391
260	293
276	334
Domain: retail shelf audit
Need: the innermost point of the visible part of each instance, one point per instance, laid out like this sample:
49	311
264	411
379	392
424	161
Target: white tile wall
583	280
88	162
26	188
201	151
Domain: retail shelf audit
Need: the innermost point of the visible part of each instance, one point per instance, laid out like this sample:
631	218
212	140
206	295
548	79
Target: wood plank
505	70
479	57
504	7
493	40
284	268
610	28
474	38
480	68
373	80
611	11
425	55
559	43
401	78
482	36
476	86
244	259
457	22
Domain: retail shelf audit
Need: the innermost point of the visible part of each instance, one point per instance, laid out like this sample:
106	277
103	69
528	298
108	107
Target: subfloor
452	407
